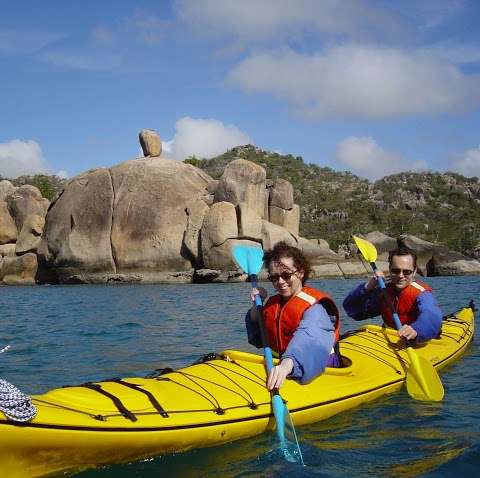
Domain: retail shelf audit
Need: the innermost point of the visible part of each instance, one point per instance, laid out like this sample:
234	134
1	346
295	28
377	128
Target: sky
369	86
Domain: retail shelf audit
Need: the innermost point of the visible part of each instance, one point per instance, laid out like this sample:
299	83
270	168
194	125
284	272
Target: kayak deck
217	400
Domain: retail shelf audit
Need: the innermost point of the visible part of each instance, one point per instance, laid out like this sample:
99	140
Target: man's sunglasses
397	272
286	276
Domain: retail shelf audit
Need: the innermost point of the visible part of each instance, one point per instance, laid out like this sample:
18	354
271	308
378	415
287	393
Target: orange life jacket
403	303
281	322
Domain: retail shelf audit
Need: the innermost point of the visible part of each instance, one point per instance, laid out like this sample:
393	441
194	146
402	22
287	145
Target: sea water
72	334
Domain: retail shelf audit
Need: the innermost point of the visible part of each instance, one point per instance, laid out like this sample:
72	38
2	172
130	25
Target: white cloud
19	158
359	81
204	138
251	20
469	163
62	174
363	156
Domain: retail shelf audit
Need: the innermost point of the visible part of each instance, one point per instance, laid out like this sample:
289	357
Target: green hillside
438	207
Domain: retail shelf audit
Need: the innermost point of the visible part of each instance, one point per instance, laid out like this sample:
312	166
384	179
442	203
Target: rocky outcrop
78	226
281	194
432	259
18	270
218	231
30	236
243	182
438	260
315	253
289	219
150	142
281	209
130	219
26	200
196	211
22	217
382	243
6	188
157	220
249	222
149	216
8	229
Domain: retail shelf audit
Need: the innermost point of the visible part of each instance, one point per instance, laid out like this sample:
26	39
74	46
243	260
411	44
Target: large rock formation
153	220
22	217
243	181
26	200
124	223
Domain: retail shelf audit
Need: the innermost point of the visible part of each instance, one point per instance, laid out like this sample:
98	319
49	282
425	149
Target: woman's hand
407	332
258	291
279	373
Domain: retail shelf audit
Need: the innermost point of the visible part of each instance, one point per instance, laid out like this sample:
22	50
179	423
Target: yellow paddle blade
423	382
367	249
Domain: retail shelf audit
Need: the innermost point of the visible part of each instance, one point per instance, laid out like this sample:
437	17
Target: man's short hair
403	251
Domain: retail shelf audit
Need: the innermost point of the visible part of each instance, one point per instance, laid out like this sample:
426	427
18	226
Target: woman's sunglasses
286	276
406	272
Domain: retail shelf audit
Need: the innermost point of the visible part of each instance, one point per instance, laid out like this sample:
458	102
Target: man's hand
407	332
373	282
279	373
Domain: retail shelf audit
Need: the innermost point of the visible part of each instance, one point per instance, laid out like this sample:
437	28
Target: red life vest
403	303
281	322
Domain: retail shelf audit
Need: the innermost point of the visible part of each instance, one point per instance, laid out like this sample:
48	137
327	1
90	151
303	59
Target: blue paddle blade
291	448
248	258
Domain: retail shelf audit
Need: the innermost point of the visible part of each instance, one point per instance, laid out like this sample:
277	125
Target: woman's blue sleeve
311	344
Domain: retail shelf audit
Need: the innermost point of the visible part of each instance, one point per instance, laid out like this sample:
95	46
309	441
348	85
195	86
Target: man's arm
429	319
361	304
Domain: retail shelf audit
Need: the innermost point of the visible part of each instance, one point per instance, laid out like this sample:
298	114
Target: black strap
149	394
121	407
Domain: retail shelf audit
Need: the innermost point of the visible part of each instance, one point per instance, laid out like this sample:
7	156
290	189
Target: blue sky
370	86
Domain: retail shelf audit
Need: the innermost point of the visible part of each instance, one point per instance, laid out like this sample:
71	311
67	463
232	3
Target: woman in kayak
414	301
301	323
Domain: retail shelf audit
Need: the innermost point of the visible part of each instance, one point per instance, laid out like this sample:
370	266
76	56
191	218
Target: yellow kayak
220	399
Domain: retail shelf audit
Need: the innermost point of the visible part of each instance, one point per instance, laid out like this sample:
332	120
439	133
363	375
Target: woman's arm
311	344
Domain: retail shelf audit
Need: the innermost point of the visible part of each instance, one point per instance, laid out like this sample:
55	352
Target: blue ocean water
71	334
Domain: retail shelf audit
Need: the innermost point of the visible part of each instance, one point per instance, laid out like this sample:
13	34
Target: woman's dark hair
403	251
282	250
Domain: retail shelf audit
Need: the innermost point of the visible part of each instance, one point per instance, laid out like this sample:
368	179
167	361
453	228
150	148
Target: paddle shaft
381	282
280	409
267	351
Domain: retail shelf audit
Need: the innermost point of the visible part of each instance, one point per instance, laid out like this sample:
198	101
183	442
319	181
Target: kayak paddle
423	382
250	260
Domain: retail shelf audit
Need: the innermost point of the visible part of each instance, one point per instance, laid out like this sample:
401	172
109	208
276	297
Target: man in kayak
301	323
414	301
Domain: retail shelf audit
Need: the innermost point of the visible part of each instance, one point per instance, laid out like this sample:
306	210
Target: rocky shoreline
156	220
